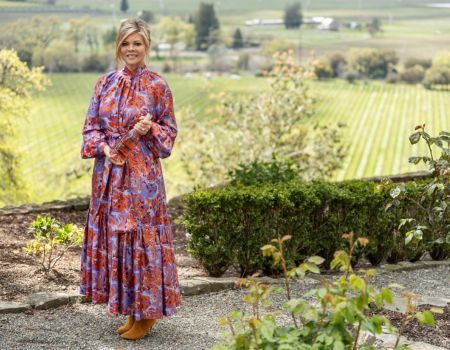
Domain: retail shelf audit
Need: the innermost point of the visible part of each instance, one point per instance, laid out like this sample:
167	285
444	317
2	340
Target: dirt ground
19	272
439	335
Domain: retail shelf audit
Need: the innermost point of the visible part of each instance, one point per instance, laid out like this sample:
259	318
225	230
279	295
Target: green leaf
387	295
403	222
414	160
414	138
316	260
378	298
409	237
357	283
338	345
321	293
267	331
437	310
311	267
426	317
445	137
395	192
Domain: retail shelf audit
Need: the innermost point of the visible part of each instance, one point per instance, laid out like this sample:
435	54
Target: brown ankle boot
139	329
127	326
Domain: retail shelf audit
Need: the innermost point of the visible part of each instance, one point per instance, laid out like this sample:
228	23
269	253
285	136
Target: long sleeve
164	130
94	138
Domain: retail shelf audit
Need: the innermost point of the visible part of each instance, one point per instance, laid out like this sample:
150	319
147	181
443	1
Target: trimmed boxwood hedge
228	225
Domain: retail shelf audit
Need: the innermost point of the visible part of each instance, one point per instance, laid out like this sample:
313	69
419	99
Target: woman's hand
107	151
143	126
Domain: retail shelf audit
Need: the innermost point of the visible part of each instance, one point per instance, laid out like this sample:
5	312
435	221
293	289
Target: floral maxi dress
127	257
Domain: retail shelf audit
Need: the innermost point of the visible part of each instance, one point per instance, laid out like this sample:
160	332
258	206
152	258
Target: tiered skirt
134	272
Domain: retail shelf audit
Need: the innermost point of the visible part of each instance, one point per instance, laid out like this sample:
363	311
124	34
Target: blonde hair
131	26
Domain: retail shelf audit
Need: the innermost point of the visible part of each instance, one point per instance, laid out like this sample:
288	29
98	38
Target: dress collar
136	73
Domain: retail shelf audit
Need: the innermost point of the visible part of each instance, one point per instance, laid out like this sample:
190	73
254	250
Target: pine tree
293	17
124	6
205	23
238	41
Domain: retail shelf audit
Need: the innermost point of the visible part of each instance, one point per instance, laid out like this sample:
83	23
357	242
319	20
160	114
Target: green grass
379	119
10	4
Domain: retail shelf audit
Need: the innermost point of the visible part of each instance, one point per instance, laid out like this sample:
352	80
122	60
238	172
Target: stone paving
59	321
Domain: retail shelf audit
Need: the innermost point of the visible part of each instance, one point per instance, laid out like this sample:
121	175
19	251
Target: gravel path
194	326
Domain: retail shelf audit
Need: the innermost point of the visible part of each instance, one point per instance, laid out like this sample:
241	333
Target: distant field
181	7
379	119
410	27
10	4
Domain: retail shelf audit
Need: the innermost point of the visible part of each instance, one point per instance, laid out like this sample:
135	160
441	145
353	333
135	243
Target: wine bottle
127	143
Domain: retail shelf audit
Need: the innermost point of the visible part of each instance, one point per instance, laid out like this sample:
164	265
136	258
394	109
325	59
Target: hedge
228	225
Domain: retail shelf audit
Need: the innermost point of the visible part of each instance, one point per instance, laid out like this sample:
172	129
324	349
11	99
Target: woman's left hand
143	126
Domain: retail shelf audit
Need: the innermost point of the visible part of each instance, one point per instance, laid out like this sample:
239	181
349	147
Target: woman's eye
124	44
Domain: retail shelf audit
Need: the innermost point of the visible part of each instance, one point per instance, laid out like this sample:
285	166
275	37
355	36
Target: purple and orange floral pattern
127	258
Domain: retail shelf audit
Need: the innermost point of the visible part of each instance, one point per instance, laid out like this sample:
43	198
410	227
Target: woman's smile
133	51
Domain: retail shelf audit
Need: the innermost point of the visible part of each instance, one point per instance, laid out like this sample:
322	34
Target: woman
127	258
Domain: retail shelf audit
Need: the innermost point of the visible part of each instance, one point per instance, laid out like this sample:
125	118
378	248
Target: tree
238	41
60	56
372	63
413	75
25	35
205	23
322	69
374	26
109	37
175	32
437	75
147	16
293	17
83	30
16	84
277	45
250	127
219	60
338	63
441	59
124	6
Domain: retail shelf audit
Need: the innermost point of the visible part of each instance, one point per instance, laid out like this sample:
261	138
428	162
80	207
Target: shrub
442	59
51	240
411	62
351	77
434	196
276	45
243	61
333	321
96	63
259	171
227	223
338	62
412	75
437	75
322	69
372	63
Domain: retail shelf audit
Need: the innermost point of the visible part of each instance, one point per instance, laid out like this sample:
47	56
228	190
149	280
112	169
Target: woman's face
133	51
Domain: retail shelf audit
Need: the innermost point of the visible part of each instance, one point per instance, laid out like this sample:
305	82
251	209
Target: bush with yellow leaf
334	322
52	240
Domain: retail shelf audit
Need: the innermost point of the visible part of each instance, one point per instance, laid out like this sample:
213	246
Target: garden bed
19	272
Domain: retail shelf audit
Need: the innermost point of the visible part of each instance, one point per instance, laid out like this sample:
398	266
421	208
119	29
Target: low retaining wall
83	203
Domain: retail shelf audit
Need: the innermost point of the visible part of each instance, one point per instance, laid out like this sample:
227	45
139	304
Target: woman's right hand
107	151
